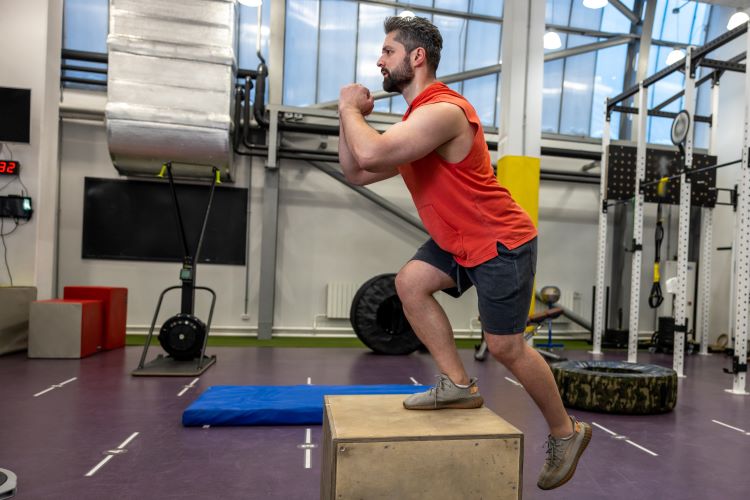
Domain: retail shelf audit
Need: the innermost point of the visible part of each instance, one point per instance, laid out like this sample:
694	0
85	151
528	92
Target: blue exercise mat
274	405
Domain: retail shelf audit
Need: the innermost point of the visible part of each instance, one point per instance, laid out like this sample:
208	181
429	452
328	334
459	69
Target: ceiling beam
617	4
447	79
434	10
582	49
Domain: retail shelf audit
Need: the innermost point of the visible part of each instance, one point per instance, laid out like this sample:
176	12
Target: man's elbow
356	180
368	157
372	163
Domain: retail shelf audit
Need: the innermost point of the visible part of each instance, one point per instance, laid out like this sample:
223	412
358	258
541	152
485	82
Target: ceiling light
251	3
407	13
595	4
674	56
737	19
552	40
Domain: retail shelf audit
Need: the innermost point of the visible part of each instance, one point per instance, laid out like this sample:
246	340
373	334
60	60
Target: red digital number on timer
8	167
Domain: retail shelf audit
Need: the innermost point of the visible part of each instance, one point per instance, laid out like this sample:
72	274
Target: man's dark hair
415	32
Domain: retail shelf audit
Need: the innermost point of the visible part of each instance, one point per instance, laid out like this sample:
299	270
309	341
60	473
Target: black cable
7	184
656	297
25	191
5	247
5	146
12	230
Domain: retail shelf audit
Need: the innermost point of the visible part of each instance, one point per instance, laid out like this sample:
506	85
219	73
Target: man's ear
419	56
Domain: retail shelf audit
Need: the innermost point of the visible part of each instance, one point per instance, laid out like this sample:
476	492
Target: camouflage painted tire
616	386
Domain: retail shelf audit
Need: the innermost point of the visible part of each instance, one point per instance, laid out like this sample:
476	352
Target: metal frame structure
433	10
269	232
741	258
637	261
742	281
707	218
680	310
601	255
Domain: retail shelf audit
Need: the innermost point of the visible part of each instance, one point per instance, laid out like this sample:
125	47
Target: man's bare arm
427	128
352	171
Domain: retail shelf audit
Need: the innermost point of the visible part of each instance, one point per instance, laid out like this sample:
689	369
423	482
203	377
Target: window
85	28
301	51
330	43
688	26
91	14
248	35
575	88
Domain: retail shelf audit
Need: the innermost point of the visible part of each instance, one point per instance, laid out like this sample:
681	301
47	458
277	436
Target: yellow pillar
520	176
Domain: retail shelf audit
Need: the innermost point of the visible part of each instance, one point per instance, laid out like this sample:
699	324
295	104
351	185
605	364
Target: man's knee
407	283
418	279
505	348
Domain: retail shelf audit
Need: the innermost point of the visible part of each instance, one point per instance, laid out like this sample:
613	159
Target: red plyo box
115	302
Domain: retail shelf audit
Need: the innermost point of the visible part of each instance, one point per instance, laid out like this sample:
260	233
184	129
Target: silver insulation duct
172	68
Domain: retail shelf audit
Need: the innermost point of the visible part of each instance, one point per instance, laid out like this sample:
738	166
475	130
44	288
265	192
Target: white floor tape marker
307	447
56	386
110	454
731	427
308	452
187	388
624	438
99	465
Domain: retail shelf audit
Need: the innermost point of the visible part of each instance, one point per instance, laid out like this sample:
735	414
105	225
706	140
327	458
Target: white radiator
339	299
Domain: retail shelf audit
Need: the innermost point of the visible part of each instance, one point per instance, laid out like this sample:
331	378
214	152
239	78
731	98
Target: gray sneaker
446	394
563	455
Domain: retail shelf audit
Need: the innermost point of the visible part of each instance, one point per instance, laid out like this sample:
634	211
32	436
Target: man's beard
399	78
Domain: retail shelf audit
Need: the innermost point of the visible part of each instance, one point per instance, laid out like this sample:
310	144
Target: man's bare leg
534	374
416	283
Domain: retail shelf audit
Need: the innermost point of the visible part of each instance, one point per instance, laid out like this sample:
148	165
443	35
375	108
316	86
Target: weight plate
378	318
182	336
680	127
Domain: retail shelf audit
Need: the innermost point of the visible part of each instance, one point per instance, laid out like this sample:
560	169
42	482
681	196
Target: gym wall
326	232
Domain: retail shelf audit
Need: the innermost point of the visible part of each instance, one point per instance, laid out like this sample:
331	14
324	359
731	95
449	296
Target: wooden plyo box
373	448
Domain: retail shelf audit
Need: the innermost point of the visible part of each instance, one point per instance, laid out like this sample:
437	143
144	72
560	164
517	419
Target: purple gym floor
53	440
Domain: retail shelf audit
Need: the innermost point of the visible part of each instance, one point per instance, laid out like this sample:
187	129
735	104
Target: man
479	235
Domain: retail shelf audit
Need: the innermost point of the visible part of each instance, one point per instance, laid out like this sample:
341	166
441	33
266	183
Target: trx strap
655	298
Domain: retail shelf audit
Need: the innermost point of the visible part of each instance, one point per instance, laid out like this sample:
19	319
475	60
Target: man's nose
380	62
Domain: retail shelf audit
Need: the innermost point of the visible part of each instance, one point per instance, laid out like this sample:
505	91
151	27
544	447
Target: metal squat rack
740	287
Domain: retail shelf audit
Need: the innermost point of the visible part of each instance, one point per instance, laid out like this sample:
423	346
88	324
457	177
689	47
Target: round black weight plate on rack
680	127
182	336
378	318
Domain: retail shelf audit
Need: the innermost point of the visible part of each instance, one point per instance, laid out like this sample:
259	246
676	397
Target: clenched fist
356	96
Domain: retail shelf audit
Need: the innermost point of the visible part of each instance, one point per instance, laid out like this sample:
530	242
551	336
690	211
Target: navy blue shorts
504	284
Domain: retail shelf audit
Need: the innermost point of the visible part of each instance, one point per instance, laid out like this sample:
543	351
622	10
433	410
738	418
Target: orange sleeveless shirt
461	204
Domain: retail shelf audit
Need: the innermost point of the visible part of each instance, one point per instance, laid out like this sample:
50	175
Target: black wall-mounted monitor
15	115
135	220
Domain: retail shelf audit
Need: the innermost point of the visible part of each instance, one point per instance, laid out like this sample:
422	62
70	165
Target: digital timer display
9	167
